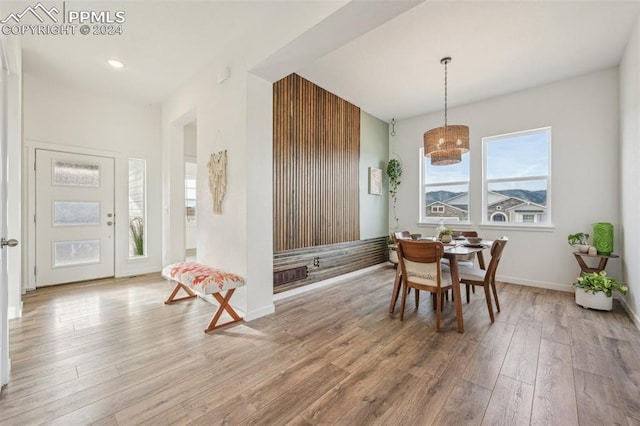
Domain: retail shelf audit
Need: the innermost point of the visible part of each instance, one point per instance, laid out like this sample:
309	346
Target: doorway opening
190	191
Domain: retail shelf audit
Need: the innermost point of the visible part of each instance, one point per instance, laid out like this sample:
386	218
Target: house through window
444	193
516	177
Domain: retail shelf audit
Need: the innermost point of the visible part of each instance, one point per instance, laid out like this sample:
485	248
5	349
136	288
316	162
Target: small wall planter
597	300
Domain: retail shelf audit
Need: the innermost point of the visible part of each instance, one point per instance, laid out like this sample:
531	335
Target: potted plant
394	171
579	241
595	290
445	235
136	229
393	255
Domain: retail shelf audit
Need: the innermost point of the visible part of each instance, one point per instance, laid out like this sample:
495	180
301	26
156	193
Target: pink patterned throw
201	278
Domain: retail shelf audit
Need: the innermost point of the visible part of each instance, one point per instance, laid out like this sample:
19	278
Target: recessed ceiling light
115	63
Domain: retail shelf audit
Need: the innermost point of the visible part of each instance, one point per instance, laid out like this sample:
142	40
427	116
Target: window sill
447	224
519	227
138	259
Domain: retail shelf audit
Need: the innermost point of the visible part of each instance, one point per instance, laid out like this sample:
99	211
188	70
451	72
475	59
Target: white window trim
484	222
423	220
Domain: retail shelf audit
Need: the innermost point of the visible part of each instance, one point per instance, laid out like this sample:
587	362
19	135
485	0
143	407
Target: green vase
603	237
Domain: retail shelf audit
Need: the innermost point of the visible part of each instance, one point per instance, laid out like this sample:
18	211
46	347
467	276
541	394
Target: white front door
75	219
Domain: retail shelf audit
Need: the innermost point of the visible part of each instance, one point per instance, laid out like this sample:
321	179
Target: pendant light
445	145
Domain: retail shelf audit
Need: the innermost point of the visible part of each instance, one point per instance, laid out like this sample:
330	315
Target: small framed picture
375	181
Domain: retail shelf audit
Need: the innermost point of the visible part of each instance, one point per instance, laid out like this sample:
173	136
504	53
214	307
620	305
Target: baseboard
568	288
259	313
634	317
320	284
132	272
15	312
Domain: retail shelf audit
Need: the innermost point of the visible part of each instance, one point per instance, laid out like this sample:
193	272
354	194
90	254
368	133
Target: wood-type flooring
110	352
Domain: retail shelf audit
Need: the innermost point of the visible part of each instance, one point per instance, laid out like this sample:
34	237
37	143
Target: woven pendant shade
446	138
445	145
446	157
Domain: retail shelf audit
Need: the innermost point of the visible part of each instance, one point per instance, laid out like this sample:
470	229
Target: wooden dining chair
469	260
485	278
402	235
420	263
395	292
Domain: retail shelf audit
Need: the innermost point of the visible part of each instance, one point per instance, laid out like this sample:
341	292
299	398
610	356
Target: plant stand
597	300
601	264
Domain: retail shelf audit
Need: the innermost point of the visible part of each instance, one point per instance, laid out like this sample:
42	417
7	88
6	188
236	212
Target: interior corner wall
583	114
374	152
629	174
76	121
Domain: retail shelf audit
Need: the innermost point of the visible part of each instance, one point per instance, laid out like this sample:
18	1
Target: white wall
629	175
583	114
190	135
374	149
65	118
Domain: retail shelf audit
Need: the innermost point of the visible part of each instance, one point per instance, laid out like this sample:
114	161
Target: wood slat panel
334	260
316	150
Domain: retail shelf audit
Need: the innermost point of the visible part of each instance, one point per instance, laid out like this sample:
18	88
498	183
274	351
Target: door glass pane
76	174
76	213
67	253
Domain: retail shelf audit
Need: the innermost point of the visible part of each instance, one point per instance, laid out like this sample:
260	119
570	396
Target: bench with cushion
195	278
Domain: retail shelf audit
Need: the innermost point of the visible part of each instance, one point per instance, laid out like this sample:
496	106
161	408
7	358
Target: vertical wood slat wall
316	150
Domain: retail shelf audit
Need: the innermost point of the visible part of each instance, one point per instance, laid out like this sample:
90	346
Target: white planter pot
393	255
582	248
599	300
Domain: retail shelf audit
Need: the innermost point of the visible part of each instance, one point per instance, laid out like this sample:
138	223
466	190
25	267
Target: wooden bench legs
224	306
175	291
223	301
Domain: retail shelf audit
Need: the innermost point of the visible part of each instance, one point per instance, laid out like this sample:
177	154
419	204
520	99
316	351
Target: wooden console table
601	264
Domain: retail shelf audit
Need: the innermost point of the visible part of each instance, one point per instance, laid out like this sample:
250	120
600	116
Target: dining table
452	251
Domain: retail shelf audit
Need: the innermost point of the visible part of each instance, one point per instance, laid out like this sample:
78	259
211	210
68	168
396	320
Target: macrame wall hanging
218	179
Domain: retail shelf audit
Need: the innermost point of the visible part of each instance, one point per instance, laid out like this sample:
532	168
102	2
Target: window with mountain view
445	191
516	180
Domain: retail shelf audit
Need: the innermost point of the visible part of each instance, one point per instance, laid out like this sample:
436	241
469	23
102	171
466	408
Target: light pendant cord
445	61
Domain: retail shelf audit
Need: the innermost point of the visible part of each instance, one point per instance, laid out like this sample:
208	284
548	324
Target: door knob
11	243
109	223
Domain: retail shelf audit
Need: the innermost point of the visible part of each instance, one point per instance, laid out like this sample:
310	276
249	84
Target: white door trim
29	199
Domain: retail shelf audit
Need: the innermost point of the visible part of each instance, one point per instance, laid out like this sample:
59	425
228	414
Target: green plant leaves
394	171
599	281
136	226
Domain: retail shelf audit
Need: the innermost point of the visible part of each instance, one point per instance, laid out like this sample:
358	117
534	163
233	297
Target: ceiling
393	70
497	47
